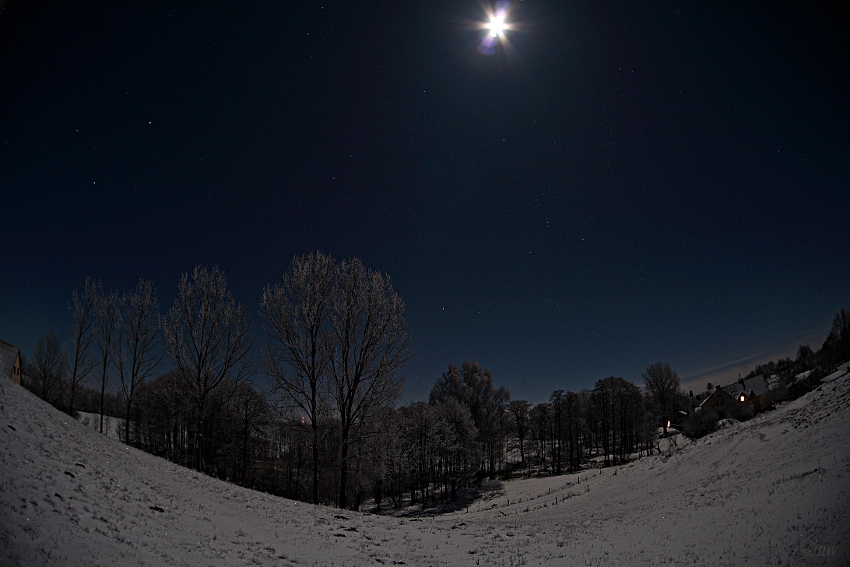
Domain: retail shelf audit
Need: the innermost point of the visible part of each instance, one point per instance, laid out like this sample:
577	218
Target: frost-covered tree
105	329
296	355
208	337
472	385
336	338
368	342
138	351
83	308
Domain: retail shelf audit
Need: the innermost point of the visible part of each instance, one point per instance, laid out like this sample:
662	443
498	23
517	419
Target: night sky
622	183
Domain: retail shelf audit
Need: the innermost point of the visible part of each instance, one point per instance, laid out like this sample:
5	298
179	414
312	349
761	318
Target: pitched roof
8	354
755	385
717	393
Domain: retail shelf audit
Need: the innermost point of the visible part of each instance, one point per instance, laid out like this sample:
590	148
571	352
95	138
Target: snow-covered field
771	491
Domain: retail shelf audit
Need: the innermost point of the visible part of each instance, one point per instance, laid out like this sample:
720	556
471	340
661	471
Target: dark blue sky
627	184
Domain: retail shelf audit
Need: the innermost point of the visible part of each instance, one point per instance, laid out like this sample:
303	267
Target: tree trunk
103	391
127	423
245	432
315	466
343	472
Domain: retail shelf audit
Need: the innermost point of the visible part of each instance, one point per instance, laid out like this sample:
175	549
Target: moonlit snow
771	491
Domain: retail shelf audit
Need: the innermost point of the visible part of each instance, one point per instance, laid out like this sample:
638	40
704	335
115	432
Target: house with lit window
10	362
752	390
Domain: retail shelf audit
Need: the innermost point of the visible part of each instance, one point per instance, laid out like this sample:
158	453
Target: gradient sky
620	185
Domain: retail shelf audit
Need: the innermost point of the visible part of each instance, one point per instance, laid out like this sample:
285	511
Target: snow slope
774	490
112	426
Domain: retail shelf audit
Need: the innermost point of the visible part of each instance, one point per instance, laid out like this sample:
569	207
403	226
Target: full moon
496	28
497	24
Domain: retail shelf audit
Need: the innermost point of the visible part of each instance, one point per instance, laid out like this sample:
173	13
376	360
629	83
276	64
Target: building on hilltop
718	398
10	362
753	390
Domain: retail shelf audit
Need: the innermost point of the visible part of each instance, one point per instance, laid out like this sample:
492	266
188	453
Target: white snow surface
771	491
112	426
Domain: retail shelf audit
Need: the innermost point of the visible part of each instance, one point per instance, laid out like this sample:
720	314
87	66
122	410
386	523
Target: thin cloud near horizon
726	371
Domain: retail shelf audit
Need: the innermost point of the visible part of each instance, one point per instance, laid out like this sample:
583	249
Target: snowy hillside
774	490
112	426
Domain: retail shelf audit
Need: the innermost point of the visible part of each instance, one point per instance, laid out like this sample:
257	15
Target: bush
806	385
739	411
700	423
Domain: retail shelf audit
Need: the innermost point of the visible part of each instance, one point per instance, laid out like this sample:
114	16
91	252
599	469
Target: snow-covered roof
753	386
8	354
715	394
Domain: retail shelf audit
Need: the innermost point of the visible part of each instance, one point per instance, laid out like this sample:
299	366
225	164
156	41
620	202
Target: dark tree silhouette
49	363
369	342
296	354
138	351
83	309
662	382
208	337
105	329
519	410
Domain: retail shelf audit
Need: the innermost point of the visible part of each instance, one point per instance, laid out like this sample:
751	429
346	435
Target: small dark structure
10	362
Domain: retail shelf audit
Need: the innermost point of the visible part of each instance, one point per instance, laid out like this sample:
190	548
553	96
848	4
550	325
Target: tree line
337	338
330	430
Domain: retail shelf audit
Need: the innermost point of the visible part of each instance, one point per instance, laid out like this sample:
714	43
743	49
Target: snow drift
773	490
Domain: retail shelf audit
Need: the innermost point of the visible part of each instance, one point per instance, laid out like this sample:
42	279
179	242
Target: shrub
700	423
739	411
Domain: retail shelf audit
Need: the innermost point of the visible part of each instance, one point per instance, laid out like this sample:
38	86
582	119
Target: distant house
753	390
718	398
10	362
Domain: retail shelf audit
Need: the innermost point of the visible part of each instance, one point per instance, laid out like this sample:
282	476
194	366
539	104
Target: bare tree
138	351
369	342
83	308
105	329
557	401
253	415
296	356
571	402
208	337
541	420
520	409
841	332
662	382
49	361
